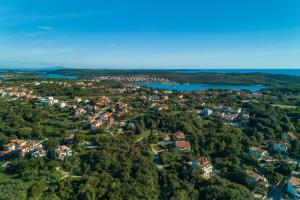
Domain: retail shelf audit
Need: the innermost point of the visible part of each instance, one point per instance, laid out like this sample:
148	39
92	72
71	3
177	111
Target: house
155	97
257	178
62	105
18	142
79	111
50	101
204	165
28	147
293	187
63	152
14	144
105	116
38	153
121	114
183	145
258	152
164	97
206	112
166	138
77	99
163	107
96	124
9	146
179	135
279	147
111	121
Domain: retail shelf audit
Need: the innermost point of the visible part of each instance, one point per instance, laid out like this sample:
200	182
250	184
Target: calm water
60	76
196	87
293	72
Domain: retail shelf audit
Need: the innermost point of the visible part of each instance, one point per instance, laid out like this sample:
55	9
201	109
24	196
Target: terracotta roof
179	134
17	141
294	181
182	144
253	148
202	160
31	144
264	182
10	144
253	175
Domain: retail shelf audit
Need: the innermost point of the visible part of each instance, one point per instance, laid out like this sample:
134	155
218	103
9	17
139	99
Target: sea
292	72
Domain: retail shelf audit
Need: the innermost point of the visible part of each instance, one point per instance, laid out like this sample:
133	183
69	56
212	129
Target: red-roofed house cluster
181	144
21	148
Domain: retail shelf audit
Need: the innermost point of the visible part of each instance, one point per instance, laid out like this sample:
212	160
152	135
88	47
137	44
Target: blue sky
150	33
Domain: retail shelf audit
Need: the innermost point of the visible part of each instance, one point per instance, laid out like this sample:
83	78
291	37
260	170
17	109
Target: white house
204	165
62	104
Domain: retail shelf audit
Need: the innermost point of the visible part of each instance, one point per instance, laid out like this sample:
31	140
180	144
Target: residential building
206	112
183	145
62	105
293	187
204	165
105	116
28	147
96	124
38	153
166	138
258	152
257	178
9	146
164	97
179	135
14	144
63	152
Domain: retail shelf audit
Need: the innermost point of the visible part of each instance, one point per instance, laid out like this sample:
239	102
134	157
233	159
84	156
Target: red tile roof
294	181
182	144
179	134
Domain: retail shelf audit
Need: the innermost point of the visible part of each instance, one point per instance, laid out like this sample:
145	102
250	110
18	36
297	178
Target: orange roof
10	144
31	144
17	141
179	134
264	182
294	181
253	148
182	144
107	114
253	175
203	161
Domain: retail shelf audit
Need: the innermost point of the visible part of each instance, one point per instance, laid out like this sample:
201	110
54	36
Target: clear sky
150	33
